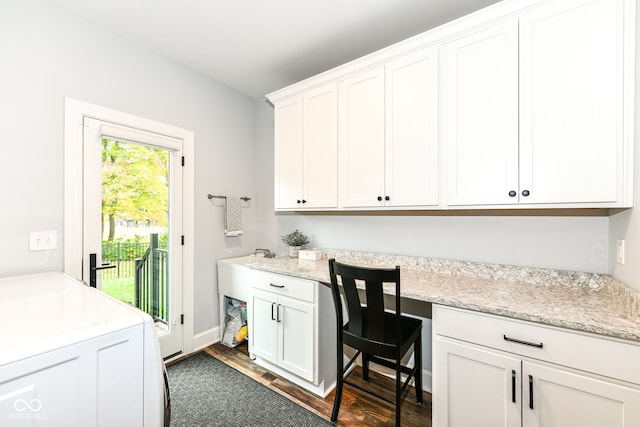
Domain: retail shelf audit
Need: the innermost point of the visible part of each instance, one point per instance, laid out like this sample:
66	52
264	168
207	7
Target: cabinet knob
525	193
387	198
512	193
298	201
379	198
304	201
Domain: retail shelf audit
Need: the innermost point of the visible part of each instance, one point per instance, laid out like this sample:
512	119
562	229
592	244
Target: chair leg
417	352
398	390
339	382
336	402
365	366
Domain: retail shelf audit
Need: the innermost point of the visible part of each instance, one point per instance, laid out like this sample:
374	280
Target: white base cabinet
555	397
492	371
284	333
292	329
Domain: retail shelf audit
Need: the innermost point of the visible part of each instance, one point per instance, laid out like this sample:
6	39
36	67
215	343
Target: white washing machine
73	356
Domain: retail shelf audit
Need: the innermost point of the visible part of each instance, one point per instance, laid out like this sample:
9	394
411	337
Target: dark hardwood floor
357	408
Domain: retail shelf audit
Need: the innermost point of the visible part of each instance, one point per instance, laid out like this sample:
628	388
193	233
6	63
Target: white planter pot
293	251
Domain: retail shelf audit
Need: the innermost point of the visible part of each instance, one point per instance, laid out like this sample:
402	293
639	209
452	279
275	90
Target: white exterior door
132	222
411	142
361	139
480	124
562	398
571	91
475	386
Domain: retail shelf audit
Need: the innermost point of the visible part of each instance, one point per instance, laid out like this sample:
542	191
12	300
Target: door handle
93	268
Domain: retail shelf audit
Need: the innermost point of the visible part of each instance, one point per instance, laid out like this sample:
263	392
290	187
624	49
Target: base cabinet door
475	386
283	333
296	337
264	328
554	397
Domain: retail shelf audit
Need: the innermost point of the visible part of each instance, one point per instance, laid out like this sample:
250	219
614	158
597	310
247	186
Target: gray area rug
206	392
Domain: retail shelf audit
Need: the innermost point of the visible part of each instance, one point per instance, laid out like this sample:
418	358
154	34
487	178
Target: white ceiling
257	46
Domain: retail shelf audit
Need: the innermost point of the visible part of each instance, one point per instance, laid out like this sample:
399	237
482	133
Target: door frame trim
75	110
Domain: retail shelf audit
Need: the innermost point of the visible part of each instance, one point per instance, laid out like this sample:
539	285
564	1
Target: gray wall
47	54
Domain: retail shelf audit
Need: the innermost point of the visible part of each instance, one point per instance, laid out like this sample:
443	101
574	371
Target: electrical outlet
43	240
620	252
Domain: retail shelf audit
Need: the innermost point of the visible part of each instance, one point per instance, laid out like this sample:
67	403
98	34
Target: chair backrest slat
353	304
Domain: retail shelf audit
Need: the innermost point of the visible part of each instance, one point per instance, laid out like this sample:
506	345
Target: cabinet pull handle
272	316
517	341
273	285
530	392
278	313
513	386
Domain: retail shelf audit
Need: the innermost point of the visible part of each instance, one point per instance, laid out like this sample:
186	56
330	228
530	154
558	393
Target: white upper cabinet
534	109
480	109
411	134
388	141
288	152
306	151
361	140
321	147
571	91
523	104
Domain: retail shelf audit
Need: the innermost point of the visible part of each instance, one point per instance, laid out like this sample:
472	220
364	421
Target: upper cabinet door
288	160
361	139
411	143
571	92
321	147
480	124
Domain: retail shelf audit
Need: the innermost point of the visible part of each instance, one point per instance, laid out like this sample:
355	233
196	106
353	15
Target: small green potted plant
295	240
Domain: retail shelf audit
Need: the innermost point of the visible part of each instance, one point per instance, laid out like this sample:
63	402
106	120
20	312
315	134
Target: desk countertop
580	301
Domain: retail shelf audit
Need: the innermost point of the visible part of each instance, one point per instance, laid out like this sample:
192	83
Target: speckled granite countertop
586	302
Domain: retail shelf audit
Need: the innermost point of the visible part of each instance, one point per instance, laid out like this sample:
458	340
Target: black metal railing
152	281
123	256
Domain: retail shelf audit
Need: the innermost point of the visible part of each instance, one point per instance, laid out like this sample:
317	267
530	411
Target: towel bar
211	196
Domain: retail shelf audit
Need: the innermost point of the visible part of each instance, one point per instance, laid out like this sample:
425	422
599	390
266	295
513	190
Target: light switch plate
43	240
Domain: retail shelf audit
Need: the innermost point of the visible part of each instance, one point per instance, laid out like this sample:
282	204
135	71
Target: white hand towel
232	217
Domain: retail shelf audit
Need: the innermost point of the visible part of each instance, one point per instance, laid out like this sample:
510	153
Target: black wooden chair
381	336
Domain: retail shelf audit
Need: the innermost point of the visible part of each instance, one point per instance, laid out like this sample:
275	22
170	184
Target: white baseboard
206	338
